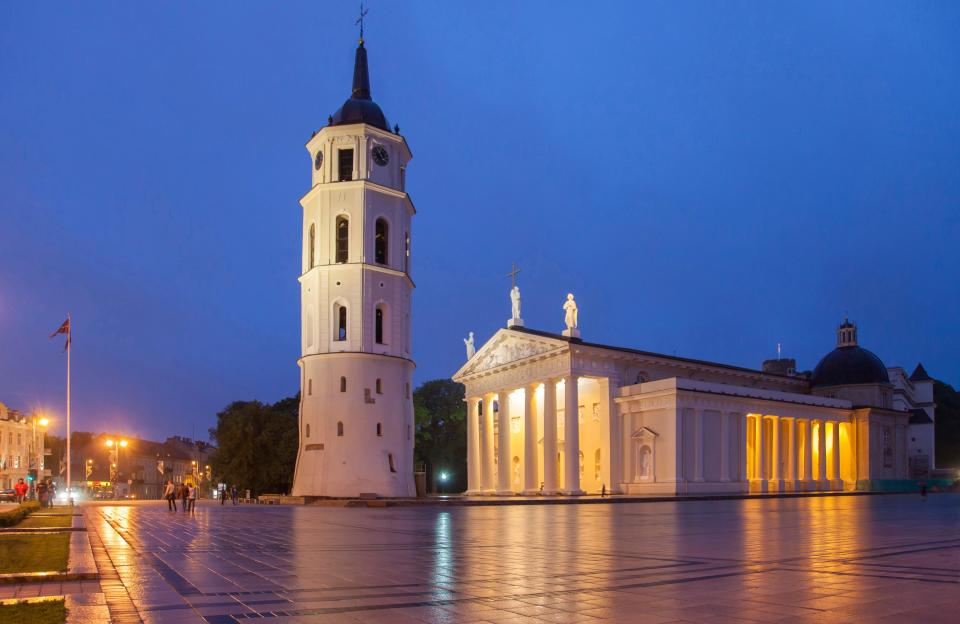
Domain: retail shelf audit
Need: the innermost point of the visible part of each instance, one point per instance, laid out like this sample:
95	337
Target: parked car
8	496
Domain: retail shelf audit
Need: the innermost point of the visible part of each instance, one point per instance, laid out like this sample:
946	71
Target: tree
441	435
947	425
257	445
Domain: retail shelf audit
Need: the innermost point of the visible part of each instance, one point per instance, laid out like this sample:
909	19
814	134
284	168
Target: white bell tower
356	407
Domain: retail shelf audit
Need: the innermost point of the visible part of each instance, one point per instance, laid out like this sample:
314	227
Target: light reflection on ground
783	560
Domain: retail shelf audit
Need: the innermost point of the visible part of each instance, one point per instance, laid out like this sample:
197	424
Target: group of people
186	492
46	491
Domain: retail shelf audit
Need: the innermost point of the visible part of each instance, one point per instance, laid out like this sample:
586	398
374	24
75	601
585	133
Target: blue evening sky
708	178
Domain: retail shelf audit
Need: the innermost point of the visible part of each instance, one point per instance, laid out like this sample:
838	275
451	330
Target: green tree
441	435
257	445
947	427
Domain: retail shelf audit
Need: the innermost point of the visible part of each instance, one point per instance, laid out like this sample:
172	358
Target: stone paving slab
820	559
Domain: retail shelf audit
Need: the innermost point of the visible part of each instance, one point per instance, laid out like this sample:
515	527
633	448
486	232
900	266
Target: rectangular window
345	164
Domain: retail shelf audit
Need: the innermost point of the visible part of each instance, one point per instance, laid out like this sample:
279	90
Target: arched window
406	252
340	428
342	239
379	386
379	325
340	314
313	246
380	241
343	384
390	460
309	387
308	430
379	429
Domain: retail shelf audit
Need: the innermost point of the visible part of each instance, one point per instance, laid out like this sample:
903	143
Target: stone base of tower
356	426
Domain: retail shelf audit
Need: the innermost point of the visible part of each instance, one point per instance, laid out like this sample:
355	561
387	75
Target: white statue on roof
570	317
471	350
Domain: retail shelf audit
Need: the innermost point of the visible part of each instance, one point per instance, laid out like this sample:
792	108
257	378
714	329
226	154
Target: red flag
64	329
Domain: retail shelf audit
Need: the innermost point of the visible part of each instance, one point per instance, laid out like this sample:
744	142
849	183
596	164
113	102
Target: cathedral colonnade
549	465
719	450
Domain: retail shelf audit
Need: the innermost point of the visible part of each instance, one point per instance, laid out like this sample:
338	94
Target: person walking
42	493
183	496
169	493
233	493
192	496
223	495
20	489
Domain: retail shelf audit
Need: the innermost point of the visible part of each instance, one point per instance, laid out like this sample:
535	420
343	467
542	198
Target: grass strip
45	522
46	552
46	612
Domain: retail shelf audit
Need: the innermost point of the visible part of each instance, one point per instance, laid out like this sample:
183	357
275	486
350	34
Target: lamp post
37	460
114	447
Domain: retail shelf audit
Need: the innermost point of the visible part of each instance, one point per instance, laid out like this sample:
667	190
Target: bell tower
356	407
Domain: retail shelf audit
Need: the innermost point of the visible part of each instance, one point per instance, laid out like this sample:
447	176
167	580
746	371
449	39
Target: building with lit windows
555	414
21	445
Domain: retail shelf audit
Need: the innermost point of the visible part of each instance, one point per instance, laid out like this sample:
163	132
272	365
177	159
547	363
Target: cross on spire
363	14
513	274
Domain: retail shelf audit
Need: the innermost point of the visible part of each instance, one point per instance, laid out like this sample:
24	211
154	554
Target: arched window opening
313	240
343	384
309	387
379	386
342	239
345	164
341	316
308	430
340	428
380	241
379	429
390	459
379	325
406	252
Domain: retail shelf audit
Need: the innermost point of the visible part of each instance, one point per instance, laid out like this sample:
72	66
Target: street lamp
37	460
443	476
115	447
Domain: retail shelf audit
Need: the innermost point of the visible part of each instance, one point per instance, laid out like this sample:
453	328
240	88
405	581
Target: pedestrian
42	493
192	496
233	493
20	489
51	493
182	495
169	493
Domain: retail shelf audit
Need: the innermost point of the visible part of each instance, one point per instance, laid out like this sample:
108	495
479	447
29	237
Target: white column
698	445
474	471
724	447
775	452
550	436
807	453
837	482
571	437
761	455
742	448
488	484
822	454
504	459
792	446
530	484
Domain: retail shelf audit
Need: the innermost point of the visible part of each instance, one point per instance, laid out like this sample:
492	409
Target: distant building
141	468
914	394
21	446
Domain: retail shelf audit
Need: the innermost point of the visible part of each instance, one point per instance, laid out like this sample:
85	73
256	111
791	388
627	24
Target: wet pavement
824	559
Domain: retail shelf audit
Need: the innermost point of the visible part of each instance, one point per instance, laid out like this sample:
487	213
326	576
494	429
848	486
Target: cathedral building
356	410
555	414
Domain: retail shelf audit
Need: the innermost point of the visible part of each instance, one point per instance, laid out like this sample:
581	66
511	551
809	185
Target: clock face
318	160
380	155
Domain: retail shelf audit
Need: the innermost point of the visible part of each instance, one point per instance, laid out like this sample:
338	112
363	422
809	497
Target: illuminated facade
356	407
21	446
648	423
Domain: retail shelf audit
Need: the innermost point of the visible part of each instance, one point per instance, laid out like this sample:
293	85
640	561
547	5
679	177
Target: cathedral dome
360	108
849	363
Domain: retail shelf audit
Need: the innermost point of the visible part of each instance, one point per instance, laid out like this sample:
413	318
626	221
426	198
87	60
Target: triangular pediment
505	348
645	432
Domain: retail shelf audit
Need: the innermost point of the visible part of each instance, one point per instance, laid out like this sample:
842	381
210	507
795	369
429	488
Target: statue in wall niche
515	301
570	307
471	350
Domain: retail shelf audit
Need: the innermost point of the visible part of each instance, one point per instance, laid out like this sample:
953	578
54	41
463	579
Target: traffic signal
32	475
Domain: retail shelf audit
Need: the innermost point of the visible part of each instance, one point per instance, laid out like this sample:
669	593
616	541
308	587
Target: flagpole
69	346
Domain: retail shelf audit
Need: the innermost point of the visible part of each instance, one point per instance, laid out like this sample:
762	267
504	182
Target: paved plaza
825	559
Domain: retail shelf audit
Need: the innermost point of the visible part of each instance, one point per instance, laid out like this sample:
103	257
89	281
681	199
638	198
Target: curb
44	577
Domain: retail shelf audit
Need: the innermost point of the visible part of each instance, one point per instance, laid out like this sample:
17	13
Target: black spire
361	75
